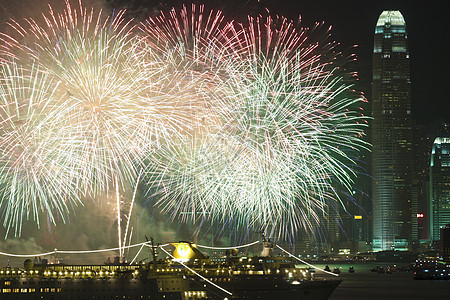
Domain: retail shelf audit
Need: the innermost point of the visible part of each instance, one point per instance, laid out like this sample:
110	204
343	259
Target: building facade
422	143
445	242
392	159
439	187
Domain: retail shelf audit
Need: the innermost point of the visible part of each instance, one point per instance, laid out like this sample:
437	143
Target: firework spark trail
119	221
133	198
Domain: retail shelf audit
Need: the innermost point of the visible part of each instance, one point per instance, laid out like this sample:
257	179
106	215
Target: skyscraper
439	187
422	144
391	134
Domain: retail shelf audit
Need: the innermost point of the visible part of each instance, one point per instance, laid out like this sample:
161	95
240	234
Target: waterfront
367	285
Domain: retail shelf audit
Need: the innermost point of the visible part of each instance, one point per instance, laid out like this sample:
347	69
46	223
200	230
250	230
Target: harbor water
399	285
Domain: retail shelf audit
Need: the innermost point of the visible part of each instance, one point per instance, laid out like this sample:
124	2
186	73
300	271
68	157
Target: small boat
327	268
337	271
377	269
351	270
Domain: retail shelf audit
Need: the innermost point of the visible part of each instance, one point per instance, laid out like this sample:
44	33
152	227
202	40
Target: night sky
354	23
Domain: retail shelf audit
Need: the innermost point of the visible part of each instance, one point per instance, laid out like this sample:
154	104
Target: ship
185	274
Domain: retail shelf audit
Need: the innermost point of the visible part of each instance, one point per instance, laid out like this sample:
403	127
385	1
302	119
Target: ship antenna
263	235
153	251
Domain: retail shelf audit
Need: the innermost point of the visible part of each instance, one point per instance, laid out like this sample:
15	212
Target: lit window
398	49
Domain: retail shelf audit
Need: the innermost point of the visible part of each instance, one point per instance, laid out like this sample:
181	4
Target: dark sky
354	23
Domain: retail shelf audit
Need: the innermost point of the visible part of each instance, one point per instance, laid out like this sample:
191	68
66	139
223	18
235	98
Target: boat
431	270
186	274
377	269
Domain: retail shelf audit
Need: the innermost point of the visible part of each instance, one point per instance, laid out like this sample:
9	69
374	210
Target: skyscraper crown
392	17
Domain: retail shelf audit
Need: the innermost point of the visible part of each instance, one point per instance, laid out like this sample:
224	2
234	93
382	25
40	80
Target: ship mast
154	255
267	246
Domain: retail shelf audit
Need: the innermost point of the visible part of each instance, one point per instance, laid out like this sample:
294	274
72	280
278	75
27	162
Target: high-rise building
422	144
439	187
423	139
445	242
392	159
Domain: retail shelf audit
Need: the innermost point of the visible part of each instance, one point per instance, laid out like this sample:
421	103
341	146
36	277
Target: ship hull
175	288
77	289
267	287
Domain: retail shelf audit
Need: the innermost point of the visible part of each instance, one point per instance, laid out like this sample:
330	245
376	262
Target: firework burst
93	60
280	149
35	165
103	102
246	125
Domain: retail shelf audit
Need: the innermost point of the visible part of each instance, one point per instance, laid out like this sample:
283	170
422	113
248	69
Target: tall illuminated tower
392	159
439	187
